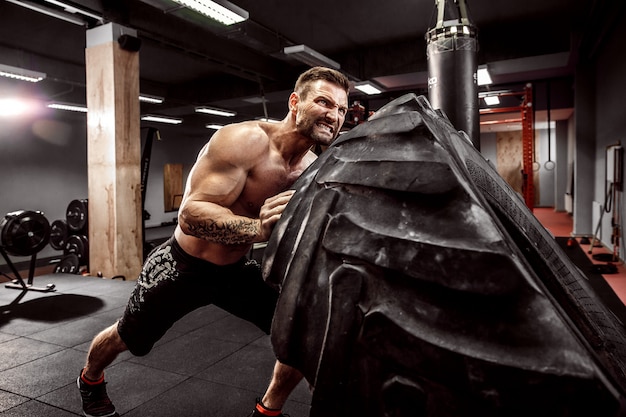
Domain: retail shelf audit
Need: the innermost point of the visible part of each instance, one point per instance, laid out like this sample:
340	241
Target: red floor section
561	224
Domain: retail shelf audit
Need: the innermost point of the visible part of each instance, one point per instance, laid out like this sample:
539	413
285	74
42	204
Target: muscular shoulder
238	142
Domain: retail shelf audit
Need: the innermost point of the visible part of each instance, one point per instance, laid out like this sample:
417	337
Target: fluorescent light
368	87
68	107
310	57
50	12
71	9
491	100
151	99
483	76
214	126
21	73
161	119
221	10
216	112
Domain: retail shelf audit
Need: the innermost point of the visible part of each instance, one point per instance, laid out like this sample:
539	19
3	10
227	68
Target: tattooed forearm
229	232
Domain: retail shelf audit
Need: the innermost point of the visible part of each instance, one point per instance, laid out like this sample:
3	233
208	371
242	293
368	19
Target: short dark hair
320	73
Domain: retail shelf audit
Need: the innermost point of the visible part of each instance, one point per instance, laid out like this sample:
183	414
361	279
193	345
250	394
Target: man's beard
310	129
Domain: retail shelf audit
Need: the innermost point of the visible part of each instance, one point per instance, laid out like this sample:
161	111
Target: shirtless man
235	194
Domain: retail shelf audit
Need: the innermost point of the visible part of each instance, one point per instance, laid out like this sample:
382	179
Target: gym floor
209	364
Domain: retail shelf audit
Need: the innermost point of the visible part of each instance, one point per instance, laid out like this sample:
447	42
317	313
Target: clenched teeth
326	127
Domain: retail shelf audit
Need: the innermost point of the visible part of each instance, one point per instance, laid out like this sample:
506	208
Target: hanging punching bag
451	53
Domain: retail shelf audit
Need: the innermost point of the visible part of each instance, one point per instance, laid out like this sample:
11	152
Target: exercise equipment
77	215
77	245
58	234
69	236
69	264
451	51
146	156
24	233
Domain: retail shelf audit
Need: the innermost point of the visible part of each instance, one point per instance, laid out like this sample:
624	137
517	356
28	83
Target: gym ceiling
190	60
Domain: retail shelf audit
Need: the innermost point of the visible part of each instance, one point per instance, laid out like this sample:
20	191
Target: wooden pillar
113	154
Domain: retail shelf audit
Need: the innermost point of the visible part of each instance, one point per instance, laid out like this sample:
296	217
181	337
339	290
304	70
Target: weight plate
24	232
69	264
58	234
77	245
76	215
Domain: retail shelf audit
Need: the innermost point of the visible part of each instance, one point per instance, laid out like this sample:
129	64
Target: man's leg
284	380
105	347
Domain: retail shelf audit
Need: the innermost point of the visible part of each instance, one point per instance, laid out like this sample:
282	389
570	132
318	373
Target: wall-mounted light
12	107
368	88
216	112
151	99
161	119
68	107
21	73
221	10
482	76
309	56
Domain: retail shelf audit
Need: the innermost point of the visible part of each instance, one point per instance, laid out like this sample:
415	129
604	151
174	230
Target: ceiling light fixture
161	119
68	107
50	12
221	10
151	99
72	9
21	73
482	76
368	88
309	56
216	112
491	100
214	126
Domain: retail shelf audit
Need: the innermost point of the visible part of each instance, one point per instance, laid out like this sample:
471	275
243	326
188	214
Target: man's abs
215	253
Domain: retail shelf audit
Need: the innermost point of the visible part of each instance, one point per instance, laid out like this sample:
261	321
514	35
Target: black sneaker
96	402
257	413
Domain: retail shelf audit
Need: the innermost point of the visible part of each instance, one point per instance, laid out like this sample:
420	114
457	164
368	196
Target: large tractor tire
415	282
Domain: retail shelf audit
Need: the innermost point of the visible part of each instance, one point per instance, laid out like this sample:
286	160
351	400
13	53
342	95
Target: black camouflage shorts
173	283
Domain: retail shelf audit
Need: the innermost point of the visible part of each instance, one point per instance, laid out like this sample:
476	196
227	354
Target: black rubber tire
414	281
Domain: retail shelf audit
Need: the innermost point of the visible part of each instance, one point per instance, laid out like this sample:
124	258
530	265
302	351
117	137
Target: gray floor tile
250	368
199	398
4	337
36	409
199	318
189	353
9	400
22	350
43	375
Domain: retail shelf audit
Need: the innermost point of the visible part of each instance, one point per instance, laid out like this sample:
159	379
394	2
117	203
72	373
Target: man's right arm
216	182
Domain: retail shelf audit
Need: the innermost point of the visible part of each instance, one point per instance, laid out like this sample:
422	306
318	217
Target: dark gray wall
43	166
610	115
